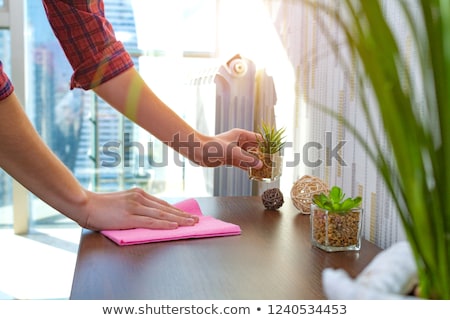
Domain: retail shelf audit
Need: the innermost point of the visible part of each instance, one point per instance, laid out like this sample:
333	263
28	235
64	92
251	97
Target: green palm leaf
414	110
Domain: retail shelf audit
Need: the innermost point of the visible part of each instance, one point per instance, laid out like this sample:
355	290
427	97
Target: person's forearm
27	159
129	94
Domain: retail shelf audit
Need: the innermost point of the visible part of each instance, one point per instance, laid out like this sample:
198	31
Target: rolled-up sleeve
88	41
6	87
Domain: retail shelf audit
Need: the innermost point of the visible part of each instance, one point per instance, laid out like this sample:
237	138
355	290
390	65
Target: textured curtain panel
326	77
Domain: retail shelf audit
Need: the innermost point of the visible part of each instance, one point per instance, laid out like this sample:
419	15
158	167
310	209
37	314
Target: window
171	42
56	112
79	127
187	27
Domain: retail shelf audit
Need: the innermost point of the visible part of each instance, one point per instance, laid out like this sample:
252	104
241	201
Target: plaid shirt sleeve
6	87
88	41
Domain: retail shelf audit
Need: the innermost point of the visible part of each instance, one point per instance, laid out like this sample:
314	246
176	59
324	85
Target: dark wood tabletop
272	259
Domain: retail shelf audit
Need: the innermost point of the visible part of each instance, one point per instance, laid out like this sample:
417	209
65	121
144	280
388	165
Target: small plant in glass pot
336	221
268	150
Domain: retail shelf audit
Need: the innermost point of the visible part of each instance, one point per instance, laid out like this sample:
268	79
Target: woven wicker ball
272	199
304	189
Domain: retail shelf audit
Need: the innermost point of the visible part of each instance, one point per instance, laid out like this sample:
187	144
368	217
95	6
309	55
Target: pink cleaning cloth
206	227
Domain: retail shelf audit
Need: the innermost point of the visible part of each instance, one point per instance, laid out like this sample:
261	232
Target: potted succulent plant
336	221
270	144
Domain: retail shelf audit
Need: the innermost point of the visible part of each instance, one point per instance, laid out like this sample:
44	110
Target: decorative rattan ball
272	199
304	189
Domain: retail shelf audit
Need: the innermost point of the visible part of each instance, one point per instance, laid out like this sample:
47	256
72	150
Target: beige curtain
326	148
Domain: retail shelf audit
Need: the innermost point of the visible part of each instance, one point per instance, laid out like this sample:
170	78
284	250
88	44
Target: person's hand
230	148
129	209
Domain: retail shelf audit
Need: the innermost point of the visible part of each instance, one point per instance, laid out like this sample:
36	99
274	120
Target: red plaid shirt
6	87
88	41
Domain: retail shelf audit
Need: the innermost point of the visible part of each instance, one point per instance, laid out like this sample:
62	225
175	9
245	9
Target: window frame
4	15
12	17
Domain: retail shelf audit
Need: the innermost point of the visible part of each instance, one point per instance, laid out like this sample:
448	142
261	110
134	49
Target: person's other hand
129	209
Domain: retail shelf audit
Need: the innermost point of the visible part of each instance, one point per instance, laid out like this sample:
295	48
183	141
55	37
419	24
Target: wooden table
272	259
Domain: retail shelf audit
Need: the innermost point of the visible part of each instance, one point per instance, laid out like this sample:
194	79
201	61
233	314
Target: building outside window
6	215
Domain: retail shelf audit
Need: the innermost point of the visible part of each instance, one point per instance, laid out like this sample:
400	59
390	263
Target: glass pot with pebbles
336	221
268	150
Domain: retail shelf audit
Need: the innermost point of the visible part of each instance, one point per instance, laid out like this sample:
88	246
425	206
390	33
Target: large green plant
415	115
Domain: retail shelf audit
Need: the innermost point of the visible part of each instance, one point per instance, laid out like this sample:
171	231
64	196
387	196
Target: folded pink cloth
206	227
